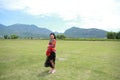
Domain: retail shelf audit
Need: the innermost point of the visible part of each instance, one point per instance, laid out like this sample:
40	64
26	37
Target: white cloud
94	13
12	5
65	8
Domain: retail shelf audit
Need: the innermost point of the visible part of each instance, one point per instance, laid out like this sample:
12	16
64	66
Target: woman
51	53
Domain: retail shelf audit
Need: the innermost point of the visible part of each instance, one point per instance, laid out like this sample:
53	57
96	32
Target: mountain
28	31
24	30
2	28
75	32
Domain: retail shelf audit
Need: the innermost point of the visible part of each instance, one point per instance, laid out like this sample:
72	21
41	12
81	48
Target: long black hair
53	35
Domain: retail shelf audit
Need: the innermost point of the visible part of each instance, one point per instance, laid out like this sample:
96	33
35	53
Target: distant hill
27	31
23	30
75	32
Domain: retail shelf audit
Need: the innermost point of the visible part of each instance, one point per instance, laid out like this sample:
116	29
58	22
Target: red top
51	47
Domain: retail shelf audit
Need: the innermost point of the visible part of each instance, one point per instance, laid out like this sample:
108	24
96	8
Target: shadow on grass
43	74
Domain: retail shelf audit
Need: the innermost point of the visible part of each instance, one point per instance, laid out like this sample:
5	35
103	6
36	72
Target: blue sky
59	15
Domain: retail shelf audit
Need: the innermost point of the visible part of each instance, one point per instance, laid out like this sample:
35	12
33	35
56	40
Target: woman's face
51	36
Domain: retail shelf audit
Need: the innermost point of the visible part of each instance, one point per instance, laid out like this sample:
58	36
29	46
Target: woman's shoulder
54	40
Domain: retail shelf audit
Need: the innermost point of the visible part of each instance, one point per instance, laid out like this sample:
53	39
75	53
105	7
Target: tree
111	35
118	35
13	36
6	37
61	36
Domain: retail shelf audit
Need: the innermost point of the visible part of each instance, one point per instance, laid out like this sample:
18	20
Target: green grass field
76	60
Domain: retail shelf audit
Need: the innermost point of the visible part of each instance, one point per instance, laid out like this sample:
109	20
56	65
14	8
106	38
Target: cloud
93	13
68	9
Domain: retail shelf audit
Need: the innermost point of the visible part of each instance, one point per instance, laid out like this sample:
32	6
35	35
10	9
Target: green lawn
76	60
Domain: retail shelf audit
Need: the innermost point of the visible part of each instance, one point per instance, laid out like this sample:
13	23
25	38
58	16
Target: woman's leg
52	64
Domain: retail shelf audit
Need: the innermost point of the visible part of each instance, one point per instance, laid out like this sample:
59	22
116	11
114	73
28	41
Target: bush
13	36
6	37
61	36
118	35
113	35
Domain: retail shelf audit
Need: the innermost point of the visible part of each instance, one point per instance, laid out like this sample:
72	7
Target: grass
76	60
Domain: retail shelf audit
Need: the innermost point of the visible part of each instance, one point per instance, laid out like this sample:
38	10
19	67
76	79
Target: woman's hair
53	35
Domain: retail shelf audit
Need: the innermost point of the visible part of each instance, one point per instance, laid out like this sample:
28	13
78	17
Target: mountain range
24	31
76	32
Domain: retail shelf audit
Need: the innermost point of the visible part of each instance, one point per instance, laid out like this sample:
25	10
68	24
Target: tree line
13	36
113	35
110	35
